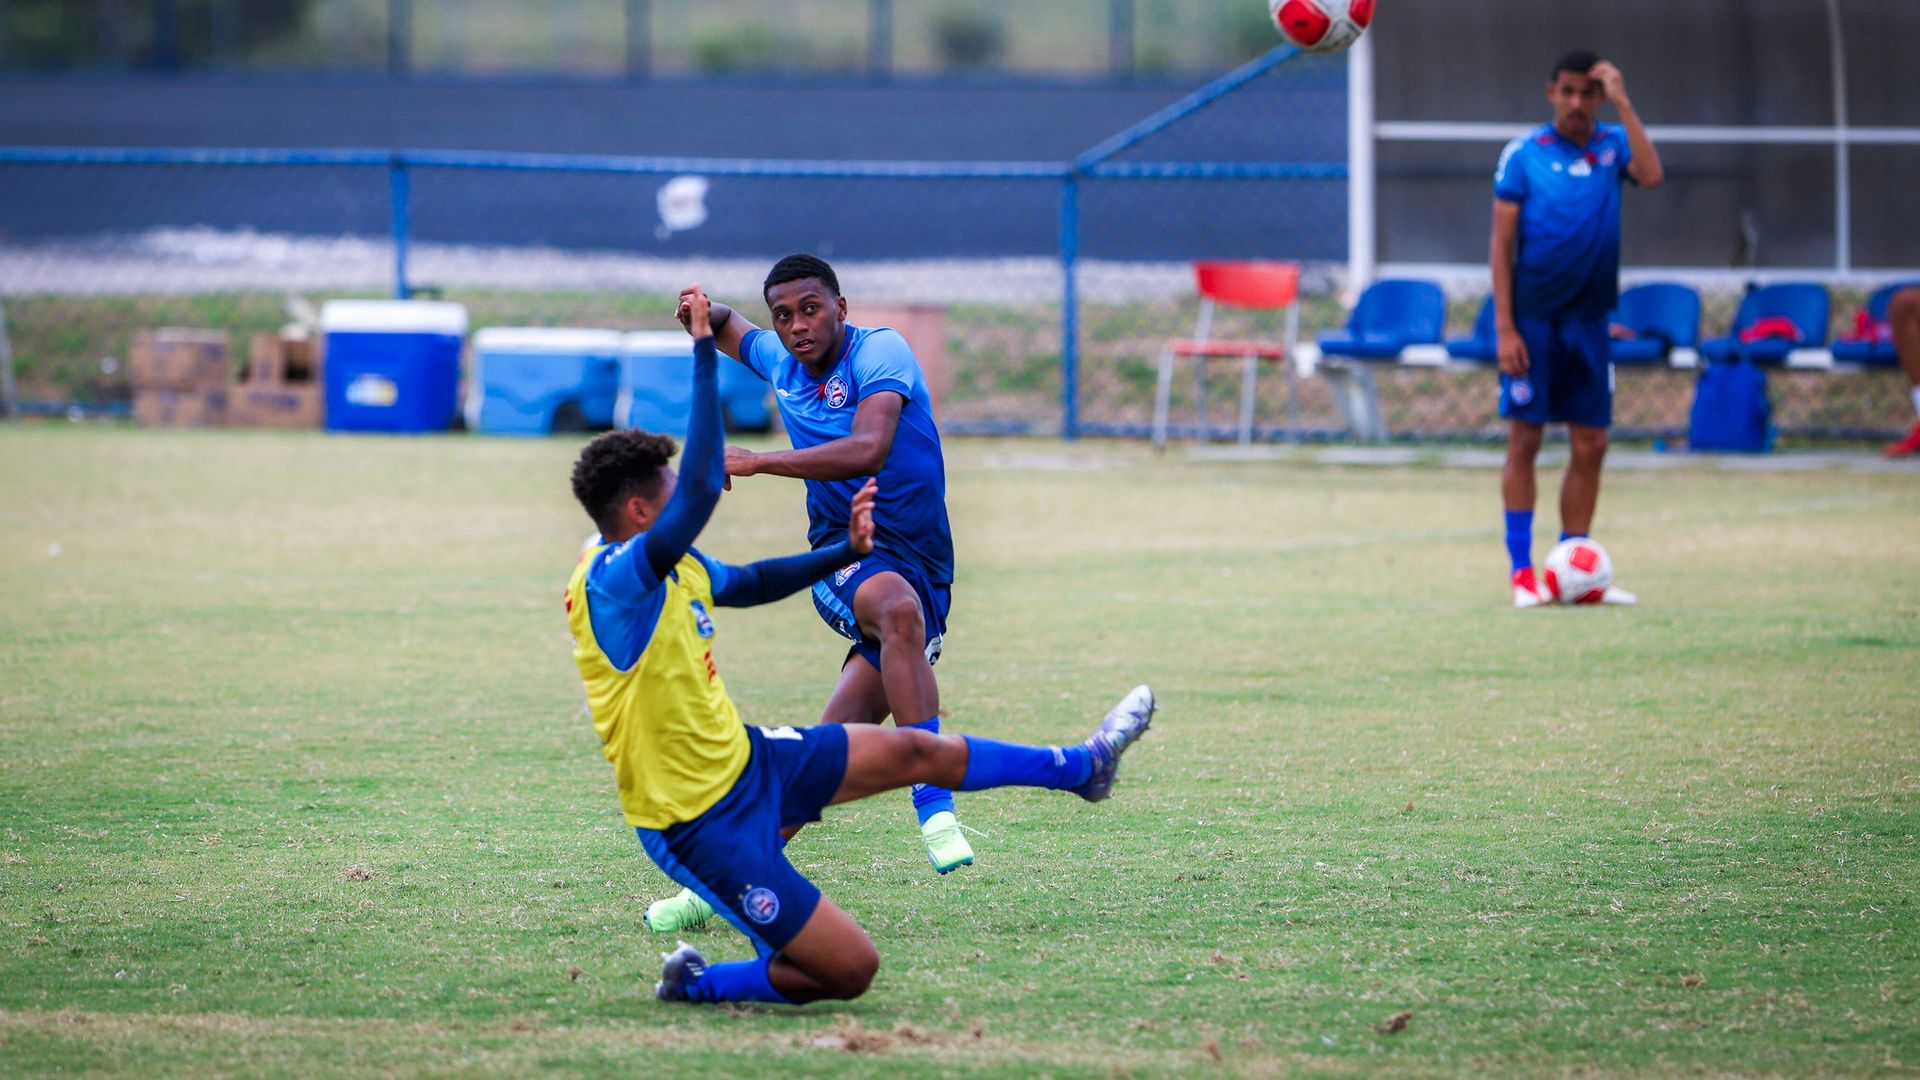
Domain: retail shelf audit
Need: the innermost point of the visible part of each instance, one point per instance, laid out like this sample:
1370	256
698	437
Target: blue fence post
400	186
1069	308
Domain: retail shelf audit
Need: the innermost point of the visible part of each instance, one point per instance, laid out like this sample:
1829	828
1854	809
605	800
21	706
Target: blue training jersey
910	512
1568	254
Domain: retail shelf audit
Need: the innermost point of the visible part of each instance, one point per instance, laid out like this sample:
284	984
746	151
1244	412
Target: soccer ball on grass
1578	571
1321	26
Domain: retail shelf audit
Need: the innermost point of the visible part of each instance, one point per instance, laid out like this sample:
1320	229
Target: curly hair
800	268
617	466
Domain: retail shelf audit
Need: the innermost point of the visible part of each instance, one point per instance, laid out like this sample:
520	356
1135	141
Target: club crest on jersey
702	622
1608	156
761	905
1521	391
841	575
835	392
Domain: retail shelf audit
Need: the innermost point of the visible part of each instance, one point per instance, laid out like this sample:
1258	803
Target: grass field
295	779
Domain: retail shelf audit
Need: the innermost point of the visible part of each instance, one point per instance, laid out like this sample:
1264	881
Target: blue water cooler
392	365
533	381
656	386
656	382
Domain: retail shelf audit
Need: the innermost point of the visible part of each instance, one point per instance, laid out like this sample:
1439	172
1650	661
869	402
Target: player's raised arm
727	326
1644	163
702	465
773	579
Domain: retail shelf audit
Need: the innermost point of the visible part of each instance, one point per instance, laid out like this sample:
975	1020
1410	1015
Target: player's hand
860	521
740	463
1612	83
1512	352
695	311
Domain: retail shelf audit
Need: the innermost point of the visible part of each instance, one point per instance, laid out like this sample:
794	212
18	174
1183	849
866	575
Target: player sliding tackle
707	795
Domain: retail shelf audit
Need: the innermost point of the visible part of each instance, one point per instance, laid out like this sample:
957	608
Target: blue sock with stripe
929	799
737	980
992	764
1566	536
1520	538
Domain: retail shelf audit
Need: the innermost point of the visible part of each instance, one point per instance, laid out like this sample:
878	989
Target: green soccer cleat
947	848
682	912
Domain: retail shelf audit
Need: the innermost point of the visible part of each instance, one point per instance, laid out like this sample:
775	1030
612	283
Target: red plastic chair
1254	285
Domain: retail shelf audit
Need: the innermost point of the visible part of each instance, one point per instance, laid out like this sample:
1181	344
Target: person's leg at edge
1903	316
1580	490
1518	490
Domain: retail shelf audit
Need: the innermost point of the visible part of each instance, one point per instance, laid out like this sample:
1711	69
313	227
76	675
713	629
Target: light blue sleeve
1510	176
885	362
760	350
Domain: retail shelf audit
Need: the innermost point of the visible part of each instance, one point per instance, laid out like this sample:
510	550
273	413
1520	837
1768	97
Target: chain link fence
97	245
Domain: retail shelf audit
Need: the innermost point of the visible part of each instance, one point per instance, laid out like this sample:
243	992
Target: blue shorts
833	599
1569	373
732	855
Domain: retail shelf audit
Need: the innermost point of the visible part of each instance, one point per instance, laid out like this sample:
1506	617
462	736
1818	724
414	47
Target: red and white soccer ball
1578	571
1321	26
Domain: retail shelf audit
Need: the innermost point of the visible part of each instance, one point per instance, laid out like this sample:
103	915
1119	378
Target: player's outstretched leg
880	760
889	611
682	911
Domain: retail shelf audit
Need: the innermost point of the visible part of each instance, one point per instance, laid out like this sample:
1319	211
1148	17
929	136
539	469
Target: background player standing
1556	274
708	796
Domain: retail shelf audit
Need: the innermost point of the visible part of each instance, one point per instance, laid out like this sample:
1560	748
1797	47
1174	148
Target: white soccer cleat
1617	595
1527	594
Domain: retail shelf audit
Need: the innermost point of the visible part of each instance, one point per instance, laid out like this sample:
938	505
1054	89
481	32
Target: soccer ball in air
1321	26
1577	572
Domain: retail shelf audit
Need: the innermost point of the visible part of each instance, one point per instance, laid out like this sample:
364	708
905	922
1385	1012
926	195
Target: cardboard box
281	385
179	408
278	360
268	405
177	358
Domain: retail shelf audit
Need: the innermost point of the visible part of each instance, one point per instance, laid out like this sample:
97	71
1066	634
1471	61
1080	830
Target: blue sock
738	980
930	799
1566	536
992	764
1520	538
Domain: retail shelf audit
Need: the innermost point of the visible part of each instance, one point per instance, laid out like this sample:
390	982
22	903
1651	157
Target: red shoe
1907	446
1526	591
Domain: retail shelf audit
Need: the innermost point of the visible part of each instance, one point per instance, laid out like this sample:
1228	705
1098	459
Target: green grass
294	776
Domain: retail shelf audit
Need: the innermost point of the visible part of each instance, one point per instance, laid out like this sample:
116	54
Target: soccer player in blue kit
708	796
1556	275
855	405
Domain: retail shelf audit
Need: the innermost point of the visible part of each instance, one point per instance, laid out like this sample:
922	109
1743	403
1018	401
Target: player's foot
1526	591
1614	594
679	970
1905	447
683	911
947	847
1124	723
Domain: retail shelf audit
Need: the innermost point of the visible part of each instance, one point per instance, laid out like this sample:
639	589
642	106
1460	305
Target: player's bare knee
851	973
1588	445
1904	307
900	619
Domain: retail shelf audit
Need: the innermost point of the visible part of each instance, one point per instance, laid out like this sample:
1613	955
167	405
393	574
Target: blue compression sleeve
703	469
772	579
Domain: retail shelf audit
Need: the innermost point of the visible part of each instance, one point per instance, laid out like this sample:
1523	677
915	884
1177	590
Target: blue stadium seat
1390	316
1803	303
1663	315
1483	345
1874	352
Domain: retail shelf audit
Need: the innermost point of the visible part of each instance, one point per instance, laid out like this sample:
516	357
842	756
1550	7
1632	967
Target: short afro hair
799	268
617	466
1579	61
